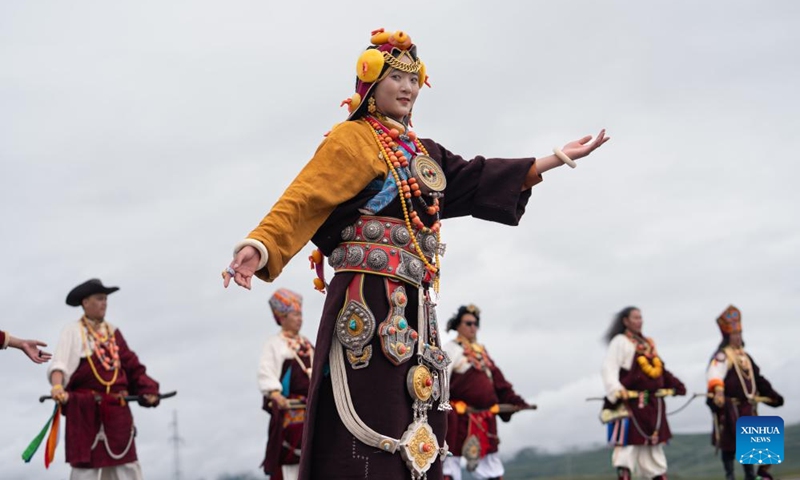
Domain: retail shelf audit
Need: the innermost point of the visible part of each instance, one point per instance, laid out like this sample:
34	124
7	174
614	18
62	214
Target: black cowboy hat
87	288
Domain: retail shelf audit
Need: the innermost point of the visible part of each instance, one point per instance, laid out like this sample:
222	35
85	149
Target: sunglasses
471	324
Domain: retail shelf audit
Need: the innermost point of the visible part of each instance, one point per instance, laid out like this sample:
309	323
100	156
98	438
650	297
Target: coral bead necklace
105	347
389	142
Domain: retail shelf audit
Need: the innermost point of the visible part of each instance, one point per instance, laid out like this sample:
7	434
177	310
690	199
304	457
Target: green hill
690	456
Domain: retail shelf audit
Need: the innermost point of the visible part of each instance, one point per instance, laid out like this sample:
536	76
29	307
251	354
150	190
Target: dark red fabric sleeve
671	381
765	388
138	381
505	391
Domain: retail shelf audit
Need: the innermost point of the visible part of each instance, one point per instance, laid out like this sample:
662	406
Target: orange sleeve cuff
714	383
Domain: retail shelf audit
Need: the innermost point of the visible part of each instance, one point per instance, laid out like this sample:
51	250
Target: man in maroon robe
477	388
93	369
737	386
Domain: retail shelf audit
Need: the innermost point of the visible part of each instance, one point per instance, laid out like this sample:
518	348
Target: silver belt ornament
426	382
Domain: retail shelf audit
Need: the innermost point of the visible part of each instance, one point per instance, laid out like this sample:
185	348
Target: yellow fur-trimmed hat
388	51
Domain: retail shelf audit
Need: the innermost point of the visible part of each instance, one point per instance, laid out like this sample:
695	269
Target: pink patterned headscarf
283	302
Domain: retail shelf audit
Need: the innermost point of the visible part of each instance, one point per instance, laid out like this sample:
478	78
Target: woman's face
292	322
633	322
395	95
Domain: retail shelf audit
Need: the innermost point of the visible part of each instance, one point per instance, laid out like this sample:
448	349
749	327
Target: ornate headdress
455	320
730	321
283	302
388	50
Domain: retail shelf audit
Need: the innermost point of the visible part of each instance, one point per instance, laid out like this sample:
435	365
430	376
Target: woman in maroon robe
283	378
736	387
477	388
371	199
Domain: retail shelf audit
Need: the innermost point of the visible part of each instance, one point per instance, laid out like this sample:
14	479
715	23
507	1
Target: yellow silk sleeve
345	162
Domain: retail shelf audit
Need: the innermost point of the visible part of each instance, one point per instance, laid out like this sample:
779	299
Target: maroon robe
649	413
479	391
2	337
489	189
736	405
89	407
286	426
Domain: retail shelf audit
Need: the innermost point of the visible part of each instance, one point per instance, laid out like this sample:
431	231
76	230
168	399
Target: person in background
735	387
477	388
93	369
635	378
283	377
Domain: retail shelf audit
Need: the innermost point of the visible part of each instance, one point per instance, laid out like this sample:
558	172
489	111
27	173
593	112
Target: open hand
31	349
581	148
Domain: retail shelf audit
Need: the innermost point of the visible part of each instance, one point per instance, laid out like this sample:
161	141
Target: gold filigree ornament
420	383
404	62
419	448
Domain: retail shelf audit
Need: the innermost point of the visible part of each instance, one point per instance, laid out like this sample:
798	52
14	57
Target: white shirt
70	349
459	362
620	354
718	368
276	351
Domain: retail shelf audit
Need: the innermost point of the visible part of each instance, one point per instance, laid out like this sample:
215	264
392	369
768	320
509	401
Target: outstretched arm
343	165
573	150
28	347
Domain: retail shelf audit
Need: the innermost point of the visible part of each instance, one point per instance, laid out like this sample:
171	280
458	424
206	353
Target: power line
176	441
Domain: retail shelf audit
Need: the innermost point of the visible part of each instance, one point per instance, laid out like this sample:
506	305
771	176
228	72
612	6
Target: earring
371	108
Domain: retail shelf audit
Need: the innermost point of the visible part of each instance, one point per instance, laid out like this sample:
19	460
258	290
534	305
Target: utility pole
176	441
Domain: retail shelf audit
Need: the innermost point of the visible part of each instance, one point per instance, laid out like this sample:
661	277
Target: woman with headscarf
372	198
736	386
283	378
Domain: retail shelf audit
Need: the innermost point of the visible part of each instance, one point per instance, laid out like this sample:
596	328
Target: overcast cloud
140	140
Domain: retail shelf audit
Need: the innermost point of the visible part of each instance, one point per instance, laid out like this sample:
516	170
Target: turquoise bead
353	325
402	324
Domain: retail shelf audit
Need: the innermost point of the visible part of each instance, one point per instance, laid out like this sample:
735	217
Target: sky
139	141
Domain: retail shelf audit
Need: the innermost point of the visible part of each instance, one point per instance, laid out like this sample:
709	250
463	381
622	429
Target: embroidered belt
383	246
